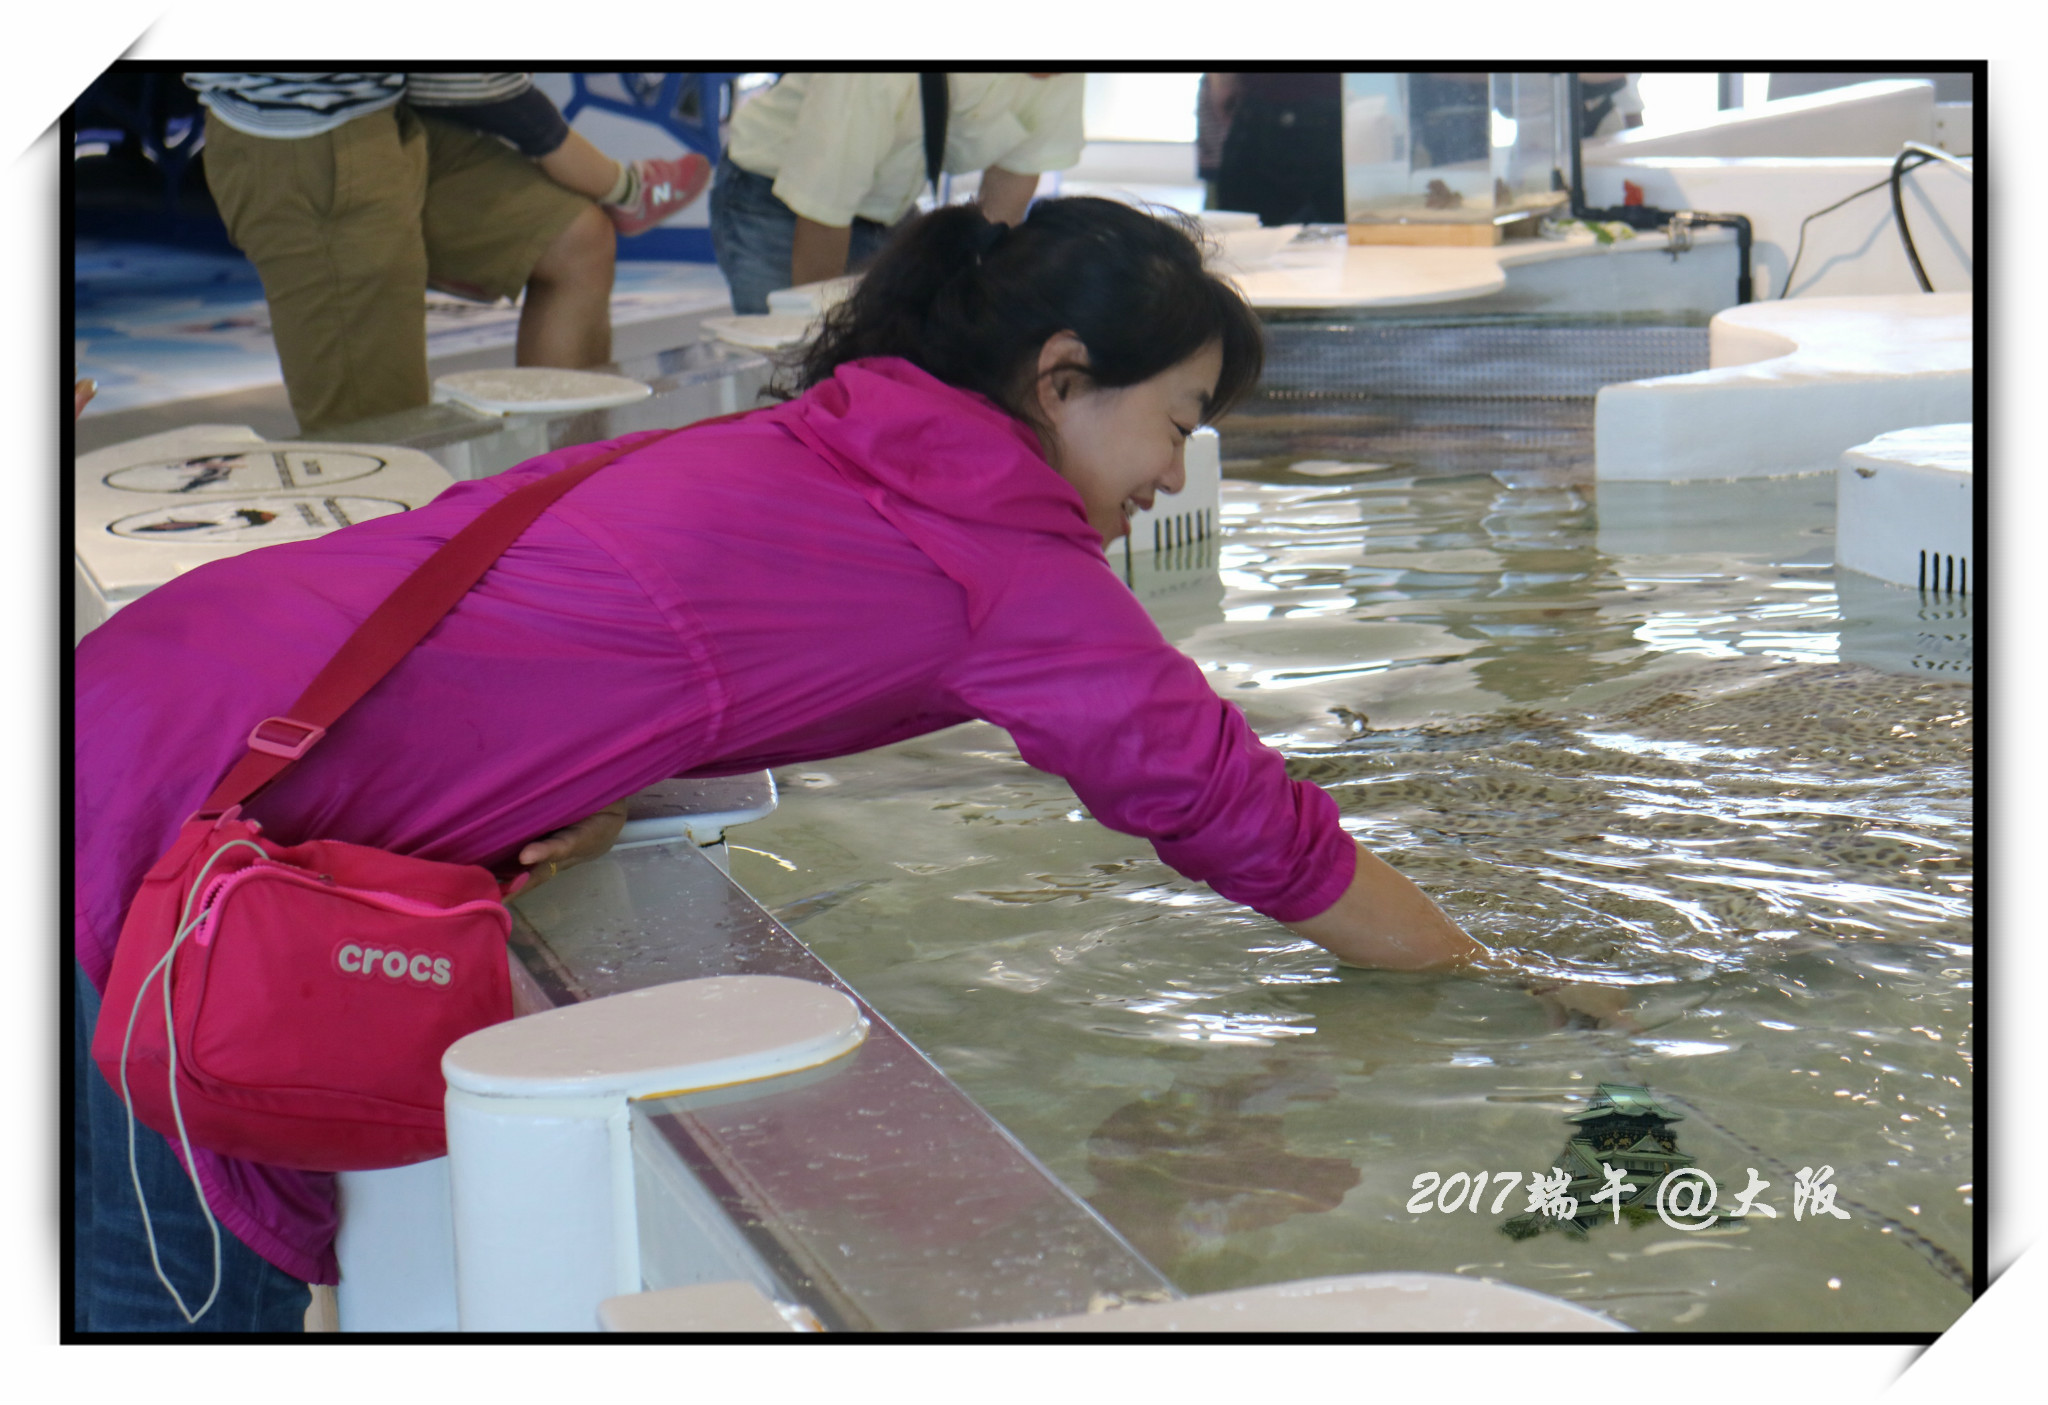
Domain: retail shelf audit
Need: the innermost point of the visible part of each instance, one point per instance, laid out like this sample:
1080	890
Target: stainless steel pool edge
873	1189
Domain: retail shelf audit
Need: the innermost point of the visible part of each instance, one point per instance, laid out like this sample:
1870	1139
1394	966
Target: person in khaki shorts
349	223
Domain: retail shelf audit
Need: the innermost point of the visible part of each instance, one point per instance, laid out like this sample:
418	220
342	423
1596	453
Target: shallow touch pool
1624	736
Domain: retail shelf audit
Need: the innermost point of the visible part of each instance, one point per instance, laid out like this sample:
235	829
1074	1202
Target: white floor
157	326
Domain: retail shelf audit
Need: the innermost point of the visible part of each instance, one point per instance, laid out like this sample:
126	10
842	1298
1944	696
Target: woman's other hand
1577	1005
580	842
82	393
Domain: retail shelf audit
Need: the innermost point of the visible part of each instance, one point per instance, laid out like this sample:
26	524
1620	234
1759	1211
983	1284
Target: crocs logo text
415	968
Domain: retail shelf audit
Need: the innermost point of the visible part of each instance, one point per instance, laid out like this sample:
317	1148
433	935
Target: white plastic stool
538	390
540	1161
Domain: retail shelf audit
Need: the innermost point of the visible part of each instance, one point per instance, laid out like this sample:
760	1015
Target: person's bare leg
566	317
577	165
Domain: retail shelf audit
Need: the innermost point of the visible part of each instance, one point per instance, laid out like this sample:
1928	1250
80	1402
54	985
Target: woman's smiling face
1120	447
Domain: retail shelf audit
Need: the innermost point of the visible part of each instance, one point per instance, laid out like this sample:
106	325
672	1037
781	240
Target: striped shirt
464	89
294	104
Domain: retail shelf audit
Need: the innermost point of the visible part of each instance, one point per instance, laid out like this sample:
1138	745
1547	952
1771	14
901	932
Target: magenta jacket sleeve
1069	662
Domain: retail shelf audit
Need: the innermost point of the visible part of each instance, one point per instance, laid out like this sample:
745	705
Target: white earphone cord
186	923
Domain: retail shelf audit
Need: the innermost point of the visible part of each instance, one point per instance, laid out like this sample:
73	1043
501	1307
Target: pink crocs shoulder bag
289	1004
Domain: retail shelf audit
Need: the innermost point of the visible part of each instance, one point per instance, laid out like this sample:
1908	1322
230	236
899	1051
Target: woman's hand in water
580	842
1384	922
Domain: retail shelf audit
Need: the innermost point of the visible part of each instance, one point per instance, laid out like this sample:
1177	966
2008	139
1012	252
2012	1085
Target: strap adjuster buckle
290	749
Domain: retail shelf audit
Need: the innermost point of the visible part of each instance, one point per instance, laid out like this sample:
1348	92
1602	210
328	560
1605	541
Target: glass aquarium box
1451	158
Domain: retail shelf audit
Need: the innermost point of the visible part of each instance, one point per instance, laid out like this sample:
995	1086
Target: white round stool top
674	1038
1362	1302
525	390
763	331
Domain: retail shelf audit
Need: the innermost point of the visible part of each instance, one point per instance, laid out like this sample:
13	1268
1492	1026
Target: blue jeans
114	1288
754	236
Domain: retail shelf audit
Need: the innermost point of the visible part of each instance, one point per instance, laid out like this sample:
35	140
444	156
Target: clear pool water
1636	736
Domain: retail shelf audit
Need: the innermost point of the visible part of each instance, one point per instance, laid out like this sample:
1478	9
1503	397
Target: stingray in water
1179	1172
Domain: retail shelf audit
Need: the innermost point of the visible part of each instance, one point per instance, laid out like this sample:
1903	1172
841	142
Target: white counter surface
1334	274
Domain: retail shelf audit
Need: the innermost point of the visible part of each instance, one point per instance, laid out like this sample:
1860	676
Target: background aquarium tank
1450	158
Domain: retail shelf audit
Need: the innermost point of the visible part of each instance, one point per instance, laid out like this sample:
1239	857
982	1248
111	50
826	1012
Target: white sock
625	188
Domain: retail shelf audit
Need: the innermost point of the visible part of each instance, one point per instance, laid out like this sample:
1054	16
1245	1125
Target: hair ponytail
972	302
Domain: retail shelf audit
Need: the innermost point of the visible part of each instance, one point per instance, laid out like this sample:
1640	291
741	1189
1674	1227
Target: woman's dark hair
972	302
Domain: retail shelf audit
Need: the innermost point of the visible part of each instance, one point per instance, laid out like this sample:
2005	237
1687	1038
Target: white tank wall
1955	127
1904	508
1864	119
1791	386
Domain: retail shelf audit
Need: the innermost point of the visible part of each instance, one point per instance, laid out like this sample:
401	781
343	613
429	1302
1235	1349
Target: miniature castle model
1624	1128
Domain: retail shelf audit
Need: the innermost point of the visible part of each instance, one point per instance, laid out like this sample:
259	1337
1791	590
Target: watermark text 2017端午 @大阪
1685	1199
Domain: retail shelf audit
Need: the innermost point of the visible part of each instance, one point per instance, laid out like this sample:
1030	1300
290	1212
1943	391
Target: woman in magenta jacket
915	539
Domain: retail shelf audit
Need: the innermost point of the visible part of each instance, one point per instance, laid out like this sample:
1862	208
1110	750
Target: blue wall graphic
633	115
